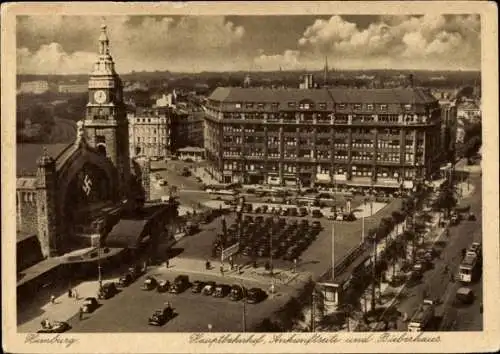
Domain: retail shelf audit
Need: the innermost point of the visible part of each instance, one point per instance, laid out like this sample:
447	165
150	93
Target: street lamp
244	319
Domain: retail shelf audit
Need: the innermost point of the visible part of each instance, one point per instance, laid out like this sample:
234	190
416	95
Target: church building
67	195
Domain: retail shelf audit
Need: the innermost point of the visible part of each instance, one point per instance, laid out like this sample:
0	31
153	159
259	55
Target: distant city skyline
68	44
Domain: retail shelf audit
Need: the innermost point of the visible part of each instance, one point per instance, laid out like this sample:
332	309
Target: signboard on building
228	252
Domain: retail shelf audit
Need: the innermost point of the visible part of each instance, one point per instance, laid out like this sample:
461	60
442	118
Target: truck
422	317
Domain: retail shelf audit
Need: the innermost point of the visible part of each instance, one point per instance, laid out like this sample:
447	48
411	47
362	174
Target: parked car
471	217
108	290
316	213
181	283
348	217
163	286
197	286
237	293
303	211
125	280
161	316
464	296
208	289
221	290
89	305
256	295
150	283
54	327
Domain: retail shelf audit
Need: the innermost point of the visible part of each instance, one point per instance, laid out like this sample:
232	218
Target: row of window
355	171
321	106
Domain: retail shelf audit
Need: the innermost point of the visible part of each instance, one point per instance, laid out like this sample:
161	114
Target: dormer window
383	107
341	106
260	105
238	105
249	105
369	107
291	104
322	105
357	106
275	105
407	107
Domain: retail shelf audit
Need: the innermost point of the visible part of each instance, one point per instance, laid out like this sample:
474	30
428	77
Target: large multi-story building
35	87
187	128
367	138
150	132
448	127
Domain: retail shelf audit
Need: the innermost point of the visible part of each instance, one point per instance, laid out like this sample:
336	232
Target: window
383	107
357	106
275	105
260	105
322	105
341	106
249	105
291	104
238	105
369	107
407	107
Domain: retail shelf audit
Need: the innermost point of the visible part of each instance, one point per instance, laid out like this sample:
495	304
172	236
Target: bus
468	267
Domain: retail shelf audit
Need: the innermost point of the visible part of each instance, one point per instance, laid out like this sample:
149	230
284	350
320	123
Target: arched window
101	149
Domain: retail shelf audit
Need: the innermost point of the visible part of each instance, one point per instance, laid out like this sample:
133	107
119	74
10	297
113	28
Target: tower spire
325	74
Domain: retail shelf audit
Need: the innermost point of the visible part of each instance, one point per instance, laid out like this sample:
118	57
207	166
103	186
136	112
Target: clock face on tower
100	96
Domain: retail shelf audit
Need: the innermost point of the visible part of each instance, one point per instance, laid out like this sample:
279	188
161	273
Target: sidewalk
61	310
258	275
388	295
202	174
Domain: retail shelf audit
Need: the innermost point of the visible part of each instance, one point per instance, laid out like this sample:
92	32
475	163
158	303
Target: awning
126	233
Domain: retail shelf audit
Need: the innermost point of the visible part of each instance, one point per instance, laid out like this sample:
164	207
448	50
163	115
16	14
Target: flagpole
363	229
333	251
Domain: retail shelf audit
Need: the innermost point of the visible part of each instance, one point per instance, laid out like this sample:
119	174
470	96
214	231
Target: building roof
281	95
21	235
26	183
126	233
191	149
339	95
28	154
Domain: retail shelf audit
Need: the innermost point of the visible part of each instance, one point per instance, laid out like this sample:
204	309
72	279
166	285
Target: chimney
308	82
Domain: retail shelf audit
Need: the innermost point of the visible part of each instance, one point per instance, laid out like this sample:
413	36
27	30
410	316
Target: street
437	283
129	310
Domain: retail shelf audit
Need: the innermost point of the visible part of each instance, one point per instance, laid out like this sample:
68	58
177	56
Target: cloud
419	42
141	43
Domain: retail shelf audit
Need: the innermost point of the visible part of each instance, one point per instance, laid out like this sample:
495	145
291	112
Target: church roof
28	154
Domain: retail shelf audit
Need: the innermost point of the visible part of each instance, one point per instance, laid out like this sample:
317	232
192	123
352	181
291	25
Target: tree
446	200
471	147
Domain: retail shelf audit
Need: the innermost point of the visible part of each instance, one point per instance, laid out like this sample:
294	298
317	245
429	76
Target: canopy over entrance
127	233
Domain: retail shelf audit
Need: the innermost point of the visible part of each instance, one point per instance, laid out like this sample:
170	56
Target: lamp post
244	319
99	268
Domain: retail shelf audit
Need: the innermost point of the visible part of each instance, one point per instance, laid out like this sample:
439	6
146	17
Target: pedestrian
75	294
464	251
405	317
221	270
80	313
207	265
294	265
231	263
52	299
70	293
167	263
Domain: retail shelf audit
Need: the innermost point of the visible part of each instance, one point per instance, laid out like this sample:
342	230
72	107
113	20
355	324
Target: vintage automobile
181	283
108	290
208	289
256	295
89	305
161	316
471	217
54	327
150	283
237	293
197	286
464	296
125	280
163	286
221	290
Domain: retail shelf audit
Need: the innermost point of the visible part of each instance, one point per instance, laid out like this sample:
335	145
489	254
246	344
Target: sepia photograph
232	176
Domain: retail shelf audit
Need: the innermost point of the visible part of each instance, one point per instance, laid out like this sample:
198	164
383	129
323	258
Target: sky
68	44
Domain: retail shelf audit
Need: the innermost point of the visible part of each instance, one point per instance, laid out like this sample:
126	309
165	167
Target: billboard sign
228	252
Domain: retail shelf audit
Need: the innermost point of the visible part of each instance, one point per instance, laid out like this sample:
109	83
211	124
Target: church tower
106	124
